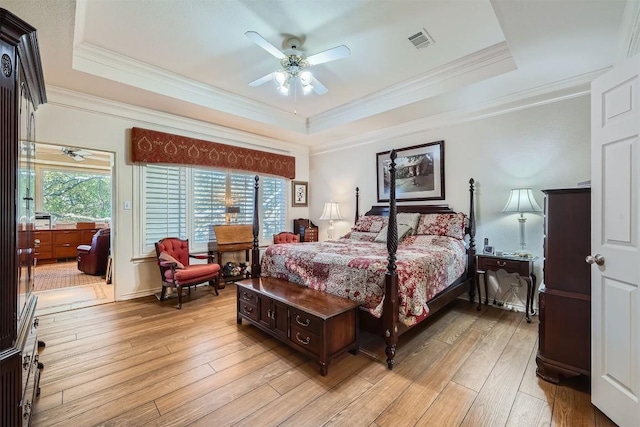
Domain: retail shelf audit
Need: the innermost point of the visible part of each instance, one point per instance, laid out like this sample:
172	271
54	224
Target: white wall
540	147
81	125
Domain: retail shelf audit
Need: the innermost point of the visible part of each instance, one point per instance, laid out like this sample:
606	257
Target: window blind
273	206
165	203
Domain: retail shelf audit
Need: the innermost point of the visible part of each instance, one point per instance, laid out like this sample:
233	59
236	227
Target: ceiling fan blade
263	43
318	87
332	54
261	80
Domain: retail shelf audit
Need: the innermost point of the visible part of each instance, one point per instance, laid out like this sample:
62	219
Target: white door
615	247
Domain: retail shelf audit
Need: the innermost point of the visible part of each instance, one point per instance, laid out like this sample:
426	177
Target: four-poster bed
400	297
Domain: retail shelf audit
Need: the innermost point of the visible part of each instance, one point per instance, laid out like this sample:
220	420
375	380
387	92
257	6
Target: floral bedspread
355	269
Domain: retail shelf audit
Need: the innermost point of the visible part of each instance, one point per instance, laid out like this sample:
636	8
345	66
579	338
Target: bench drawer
306	340
248	310
306	321
248	296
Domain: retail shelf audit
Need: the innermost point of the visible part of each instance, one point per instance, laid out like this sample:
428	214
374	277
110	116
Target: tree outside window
76	196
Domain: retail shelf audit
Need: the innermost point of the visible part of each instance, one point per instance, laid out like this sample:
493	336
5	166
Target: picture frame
419	173
299	194
488	250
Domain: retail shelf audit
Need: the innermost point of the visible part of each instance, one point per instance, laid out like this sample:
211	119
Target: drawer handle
302	341
247	297
300	322
27	410
501	263
26	362
247	310
67	244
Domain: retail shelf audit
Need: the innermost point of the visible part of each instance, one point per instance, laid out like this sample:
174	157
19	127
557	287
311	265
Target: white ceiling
191	57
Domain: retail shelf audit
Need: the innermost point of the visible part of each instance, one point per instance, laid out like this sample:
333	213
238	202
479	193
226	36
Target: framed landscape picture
419	173
299	194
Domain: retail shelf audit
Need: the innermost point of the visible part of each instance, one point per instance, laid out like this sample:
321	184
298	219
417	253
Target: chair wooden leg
179	290
214	283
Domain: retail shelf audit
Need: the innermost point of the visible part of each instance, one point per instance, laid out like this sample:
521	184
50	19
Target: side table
511	264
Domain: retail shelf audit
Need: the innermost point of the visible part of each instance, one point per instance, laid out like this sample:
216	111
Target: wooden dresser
565	298
306	229
51	245
22	90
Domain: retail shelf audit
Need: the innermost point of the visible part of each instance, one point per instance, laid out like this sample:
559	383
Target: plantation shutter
209	195
165	203
274	204
241	189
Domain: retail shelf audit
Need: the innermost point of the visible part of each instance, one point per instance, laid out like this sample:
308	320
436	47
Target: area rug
61	275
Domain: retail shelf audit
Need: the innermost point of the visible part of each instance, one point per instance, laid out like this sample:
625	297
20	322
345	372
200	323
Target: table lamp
331	211
521	200
232	213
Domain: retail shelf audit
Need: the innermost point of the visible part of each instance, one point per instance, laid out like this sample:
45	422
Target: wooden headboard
423	209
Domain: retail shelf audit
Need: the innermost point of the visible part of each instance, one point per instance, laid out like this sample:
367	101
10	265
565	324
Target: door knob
595	259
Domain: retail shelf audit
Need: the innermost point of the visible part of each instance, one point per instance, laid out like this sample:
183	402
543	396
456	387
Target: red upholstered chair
286	237
176	272
92	259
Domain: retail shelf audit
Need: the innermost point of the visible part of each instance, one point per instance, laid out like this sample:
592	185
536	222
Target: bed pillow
403	230
166	257
361	235
370	223
411	219
446	224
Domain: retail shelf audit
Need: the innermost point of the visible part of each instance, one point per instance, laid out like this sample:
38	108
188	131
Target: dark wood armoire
21	92
565	299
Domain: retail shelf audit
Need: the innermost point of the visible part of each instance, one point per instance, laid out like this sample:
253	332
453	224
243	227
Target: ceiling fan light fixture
306	78
280	77
284	88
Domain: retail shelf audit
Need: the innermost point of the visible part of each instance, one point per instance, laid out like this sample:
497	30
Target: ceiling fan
76	154
295	64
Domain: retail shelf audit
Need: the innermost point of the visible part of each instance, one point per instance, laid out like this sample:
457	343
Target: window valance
149	146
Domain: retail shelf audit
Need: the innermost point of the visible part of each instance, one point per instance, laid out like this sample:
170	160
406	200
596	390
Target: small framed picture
299	194
489	250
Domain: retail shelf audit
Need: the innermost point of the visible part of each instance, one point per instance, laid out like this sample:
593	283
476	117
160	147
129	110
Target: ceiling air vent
422	39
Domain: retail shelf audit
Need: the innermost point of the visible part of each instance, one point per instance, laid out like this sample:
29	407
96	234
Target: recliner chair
92	259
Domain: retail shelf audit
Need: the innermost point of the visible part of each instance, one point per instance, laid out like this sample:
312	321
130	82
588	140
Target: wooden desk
231	238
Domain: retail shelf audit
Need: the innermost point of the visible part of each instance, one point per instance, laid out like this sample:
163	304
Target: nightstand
511	264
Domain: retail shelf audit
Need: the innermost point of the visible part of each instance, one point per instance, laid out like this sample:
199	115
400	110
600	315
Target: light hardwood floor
143	362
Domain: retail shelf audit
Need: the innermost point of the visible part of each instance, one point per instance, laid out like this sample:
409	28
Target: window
74	195
186	201
165	203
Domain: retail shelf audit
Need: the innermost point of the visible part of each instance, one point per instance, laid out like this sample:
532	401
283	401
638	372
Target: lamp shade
331	211
522	200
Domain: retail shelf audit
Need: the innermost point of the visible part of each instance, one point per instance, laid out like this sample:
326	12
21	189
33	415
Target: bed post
255	250
471	258
357	205
390	304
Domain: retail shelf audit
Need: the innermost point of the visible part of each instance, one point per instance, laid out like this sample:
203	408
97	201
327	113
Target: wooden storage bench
317	324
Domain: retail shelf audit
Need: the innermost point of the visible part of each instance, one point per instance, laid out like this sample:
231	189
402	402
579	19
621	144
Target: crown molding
481	65
107	64
168	122
629	37
541	95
